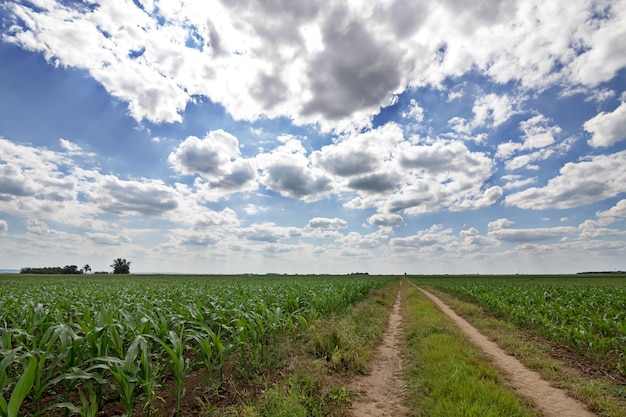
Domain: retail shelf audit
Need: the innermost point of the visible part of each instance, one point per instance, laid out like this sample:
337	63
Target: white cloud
385	220
492	110
517	181
539	134
607	128
332	64
268	232
4	227
218	160
579	183
489	197
69	146
327	223
618	210
107	238
500	224
414	112
531	235
286	170
435	236
602	38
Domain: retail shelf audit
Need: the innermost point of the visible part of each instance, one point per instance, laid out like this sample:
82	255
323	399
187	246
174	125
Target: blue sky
314	137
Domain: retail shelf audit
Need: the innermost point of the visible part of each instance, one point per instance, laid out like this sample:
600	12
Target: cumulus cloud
618	210
131	197
531	235
500	224
199	239
489	197
593	179
385	220
436	235
268	232
539	136
327	223
69	146
28	172
217	159
492	110
414	111
517	181
320	62
605	53
4	227
355	71
607	128
287	171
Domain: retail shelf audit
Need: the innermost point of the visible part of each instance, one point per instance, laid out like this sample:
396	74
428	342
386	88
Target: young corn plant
21	388
89	402
211	350
179	366
126	372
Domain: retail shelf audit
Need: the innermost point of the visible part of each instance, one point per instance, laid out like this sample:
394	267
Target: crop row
588	318
60	337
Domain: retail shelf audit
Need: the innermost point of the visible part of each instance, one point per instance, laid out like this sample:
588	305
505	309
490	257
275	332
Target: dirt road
550	401
383	388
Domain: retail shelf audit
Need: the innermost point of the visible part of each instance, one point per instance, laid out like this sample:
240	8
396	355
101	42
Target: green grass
446	376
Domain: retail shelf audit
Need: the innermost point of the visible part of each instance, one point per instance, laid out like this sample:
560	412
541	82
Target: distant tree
86	268
71	269
120	266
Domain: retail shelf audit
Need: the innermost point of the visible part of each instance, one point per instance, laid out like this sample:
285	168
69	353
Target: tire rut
382	389
550	401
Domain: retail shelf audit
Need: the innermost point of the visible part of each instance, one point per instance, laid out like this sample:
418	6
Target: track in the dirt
383	388
550	401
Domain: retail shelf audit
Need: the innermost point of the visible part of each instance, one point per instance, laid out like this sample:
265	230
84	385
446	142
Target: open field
132	334
194	345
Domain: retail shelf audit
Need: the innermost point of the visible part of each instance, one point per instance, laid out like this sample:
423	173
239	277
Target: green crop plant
21	388
178	364
127	372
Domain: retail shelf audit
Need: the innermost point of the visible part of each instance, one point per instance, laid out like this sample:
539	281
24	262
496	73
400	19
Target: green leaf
22	388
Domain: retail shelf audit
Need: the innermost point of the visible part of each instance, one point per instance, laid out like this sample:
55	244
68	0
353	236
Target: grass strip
445	375
604	396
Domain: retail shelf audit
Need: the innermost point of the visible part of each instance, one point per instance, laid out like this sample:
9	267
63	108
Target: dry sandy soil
382	390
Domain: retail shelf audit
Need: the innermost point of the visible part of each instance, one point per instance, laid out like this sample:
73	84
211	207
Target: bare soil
382	389
548	400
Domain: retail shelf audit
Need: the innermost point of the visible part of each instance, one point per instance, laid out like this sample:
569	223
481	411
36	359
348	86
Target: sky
280	136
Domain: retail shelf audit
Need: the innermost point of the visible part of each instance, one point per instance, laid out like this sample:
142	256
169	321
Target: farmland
124	337
584	313
112	345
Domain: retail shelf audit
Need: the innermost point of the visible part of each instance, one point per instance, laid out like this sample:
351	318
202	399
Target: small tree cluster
121	266
67	269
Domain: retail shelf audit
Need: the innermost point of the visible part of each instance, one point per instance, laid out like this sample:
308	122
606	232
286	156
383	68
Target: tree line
119	265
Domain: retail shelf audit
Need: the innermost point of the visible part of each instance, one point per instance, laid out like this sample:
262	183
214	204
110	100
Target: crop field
95	345
67	343
584	313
